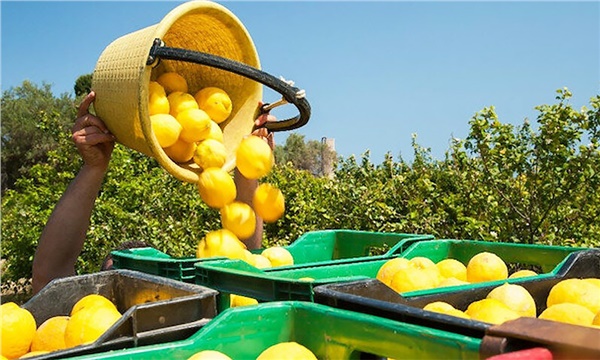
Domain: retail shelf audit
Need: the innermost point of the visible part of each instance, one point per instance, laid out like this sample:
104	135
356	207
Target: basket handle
290	94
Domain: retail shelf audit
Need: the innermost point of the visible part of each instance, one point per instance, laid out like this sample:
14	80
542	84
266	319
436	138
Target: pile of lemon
290	350
90	317
572	301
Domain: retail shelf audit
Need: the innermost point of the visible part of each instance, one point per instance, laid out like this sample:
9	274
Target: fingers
264	118
85	104
89	120
91	135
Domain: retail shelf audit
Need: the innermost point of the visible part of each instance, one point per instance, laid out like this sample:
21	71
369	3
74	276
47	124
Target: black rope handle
289	93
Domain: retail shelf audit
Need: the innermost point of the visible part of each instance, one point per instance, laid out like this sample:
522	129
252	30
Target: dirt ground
16	291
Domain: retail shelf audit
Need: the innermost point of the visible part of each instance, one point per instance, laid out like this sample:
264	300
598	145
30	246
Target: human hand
92	138
263	132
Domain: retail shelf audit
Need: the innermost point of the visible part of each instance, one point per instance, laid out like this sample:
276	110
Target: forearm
63	237
245	192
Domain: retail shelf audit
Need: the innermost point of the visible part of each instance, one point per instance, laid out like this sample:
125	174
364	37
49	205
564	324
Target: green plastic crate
317	247
244	332
275	284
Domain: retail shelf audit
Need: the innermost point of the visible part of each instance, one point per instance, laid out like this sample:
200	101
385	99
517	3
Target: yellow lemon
215	133
216	187
195	125
593	281
157	101
412	279
261	262
210	153
166	129
452	268
239	218
451	281
287	351
239	300
181	151
568	313
596	320
50	335
389	268
221	243
516	297
268	202
88	324
306	278
522	273
172	82
278	256
445	308
179	102
492	311
34	353
215	102
18	330
155	88
209	355
486	266
254	158
421	262
576	291
91	300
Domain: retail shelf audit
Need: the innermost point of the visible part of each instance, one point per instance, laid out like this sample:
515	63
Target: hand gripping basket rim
121	78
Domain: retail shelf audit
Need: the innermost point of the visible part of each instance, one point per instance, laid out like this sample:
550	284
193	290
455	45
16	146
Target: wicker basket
121	78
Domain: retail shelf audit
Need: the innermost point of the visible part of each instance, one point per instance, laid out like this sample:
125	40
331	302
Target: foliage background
533	183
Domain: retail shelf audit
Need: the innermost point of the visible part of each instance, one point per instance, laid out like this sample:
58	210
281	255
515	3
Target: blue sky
374	72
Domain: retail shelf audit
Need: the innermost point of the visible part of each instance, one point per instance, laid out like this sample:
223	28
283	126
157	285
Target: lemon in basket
195	125
486	266
389	268
17	330
215	133
91	300
216	187
287	350
88	324
180	101
239	218
254	157
268	202
181	151
413	279
239	300
172	82
522	273
215	102
157	99
210	153
166	129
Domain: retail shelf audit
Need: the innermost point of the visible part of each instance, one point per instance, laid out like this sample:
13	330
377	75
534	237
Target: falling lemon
210	153
221	243
215	102
172	82
216	187
166	129
268	202
278	256
254	158
239	218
